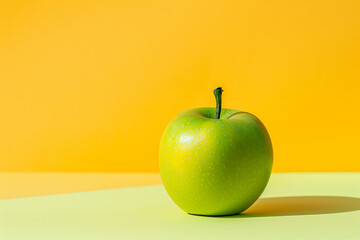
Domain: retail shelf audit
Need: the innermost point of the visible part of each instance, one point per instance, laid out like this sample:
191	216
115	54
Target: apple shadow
300	205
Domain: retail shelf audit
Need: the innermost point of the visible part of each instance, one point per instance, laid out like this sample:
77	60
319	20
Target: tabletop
293	206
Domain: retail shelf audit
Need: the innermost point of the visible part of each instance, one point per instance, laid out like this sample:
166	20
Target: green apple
215	161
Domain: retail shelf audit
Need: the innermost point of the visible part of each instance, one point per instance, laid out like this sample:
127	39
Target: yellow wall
91	85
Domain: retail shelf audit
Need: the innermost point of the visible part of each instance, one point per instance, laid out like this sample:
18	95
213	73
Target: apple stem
218	92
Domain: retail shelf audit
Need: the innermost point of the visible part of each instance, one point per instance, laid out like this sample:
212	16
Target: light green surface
294	206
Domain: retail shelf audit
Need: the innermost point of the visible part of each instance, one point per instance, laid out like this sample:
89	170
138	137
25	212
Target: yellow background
91	85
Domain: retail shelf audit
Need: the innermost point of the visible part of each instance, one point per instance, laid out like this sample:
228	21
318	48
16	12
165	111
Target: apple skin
215	167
